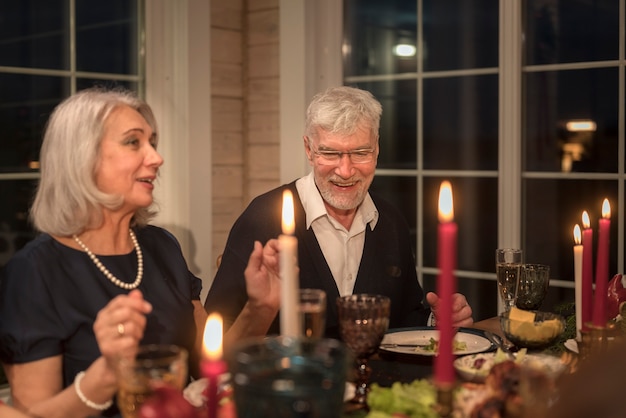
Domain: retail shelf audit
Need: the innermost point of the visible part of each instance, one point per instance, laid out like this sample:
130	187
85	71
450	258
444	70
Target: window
48	50
437	68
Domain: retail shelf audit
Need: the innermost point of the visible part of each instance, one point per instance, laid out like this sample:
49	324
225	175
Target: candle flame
288	217
212	338
586	221
606	209
446	207
577	235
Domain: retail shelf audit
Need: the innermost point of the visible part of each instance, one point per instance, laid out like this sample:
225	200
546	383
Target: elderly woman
99	280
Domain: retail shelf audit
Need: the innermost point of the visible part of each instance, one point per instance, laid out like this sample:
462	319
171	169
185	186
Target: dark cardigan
387	265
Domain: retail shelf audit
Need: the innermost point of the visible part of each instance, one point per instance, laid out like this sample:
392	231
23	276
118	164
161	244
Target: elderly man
349	241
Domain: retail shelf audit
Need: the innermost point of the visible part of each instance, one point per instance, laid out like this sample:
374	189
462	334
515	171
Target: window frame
324	69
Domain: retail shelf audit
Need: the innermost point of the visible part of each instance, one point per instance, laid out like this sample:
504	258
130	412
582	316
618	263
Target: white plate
475	367
466	366
474	339
571	345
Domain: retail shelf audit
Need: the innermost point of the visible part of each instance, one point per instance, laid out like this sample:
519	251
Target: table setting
511	365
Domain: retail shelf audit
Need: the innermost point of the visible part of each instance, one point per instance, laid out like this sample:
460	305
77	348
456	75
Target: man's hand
461	311
262	275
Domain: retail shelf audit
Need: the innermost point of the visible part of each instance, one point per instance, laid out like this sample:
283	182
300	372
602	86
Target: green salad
414	400
433	346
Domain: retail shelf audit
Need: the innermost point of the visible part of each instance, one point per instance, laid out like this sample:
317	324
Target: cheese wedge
521	315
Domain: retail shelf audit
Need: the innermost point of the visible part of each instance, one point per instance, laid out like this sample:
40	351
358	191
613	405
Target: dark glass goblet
532	288
363	321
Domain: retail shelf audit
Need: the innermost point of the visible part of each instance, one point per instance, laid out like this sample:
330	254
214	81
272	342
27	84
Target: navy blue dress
50	295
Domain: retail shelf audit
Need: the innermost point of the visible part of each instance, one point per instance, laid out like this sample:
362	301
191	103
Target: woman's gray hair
341	110
68	200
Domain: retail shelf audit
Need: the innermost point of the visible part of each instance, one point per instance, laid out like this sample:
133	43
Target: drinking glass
508	267
363	321
154	366
313	310
533	286
285	377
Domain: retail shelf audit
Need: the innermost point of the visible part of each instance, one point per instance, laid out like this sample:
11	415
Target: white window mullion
510	125
72	51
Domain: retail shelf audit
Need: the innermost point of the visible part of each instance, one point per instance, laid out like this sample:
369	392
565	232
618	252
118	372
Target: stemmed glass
508	267
363	321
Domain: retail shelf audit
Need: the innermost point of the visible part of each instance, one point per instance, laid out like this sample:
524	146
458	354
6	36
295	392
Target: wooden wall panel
245	107
227	14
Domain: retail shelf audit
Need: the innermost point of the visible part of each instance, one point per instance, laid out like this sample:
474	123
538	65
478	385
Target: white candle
578	279
289	319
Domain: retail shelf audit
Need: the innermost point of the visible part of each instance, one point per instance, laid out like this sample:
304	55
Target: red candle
446	286
212	363
602	267
587	271
578	263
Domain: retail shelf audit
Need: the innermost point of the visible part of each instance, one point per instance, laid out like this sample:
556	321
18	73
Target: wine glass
508	267
363	321
155	366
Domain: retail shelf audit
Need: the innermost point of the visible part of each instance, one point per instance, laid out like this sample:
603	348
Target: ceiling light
581	126
404	50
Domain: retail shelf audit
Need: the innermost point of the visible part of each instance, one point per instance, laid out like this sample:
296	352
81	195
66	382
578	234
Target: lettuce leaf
416	400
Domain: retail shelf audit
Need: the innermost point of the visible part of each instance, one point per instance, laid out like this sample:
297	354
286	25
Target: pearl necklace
106	271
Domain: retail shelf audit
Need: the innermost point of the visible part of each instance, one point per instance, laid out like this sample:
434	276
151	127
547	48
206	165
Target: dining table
388	368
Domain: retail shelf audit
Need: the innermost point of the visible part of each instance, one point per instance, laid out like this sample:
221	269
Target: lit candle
289	323
446	286
578	264
602	267
212	363
587	283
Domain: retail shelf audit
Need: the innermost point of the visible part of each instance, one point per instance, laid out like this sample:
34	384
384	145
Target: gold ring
120	329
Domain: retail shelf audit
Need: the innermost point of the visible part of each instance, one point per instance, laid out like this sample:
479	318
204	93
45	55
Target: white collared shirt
341	248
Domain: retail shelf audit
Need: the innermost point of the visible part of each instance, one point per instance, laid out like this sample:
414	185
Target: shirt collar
314	204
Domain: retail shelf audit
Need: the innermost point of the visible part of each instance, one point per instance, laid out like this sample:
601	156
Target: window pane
15	230
106	36
559	298
85	83
398	124
34	34
475	212
552	208
554	98
402	193
373	29
481	294
460	34
571	31
461	114
27	101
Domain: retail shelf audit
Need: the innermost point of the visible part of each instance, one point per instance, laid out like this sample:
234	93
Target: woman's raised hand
120	325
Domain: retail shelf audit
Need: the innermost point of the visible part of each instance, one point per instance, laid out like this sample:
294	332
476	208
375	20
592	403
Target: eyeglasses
357	156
